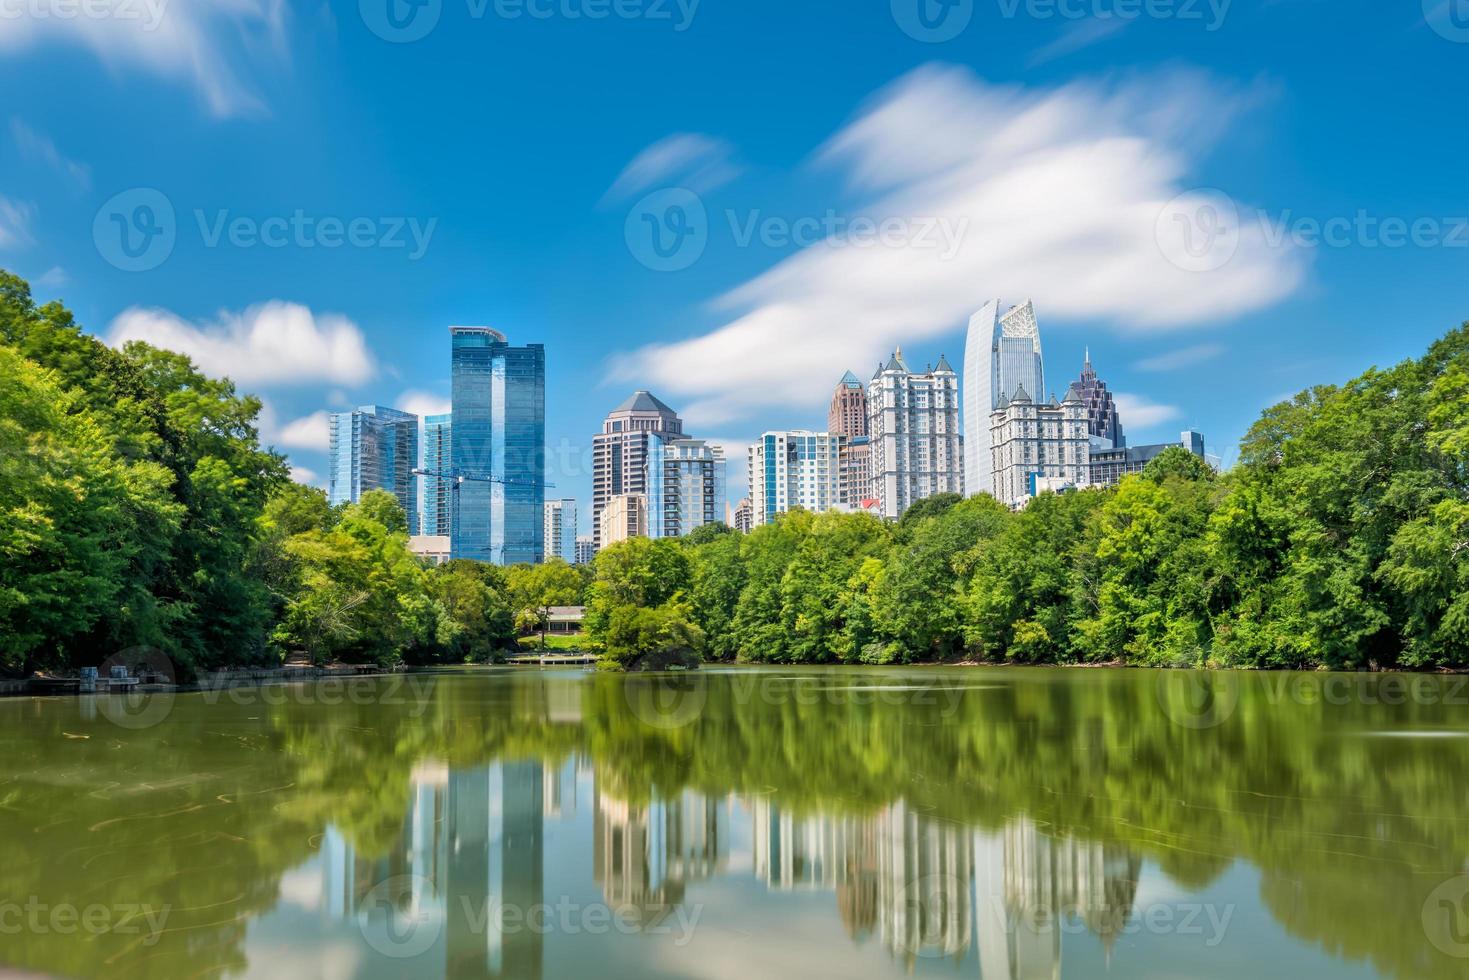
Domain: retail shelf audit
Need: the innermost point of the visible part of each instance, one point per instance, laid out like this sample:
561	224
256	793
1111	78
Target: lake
1001	823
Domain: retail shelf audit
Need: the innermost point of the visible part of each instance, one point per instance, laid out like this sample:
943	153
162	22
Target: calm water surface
990	823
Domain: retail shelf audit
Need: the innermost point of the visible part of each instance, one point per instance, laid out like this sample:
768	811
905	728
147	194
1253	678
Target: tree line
138	509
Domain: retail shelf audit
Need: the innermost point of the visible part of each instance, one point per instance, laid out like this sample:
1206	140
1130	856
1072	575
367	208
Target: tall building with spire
913	422
628	454
1001	353
847	420
1102	420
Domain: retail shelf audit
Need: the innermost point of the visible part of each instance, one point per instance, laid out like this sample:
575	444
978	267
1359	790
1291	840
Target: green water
991	823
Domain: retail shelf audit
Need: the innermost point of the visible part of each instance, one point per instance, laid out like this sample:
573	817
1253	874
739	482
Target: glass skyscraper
374	448
1002	354
498	444
437	491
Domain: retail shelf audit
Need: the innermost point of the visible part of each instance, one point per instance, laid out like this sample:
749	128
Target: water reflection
543	824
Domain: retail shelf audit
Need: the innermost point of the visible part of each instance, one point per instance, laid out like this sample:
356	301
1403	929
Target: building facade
560	530
793	469
438	457
1002	352
1102	420
1038	446
374	448
847	415
498	446
913	425
625	515
586	549
693	488
1109	466
627	455
741	517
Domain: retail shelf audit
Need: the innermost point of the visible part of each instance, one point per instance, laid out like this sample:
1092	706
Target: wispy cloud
37	146
1181	358
212	45
1138	413
272	343
700	163
1060	193
15	222
423	403
1078	34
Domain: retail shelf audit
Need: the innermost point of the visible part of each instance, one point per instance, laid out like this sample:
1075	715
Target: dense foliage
1341	539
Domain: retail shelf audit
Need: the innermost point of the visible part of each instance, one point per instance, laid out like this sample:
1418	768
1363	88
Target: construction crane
458	478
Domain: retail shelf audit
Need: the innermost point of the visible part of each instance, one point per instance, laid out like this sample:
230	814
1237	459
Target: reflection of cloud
1137	412
270	343
1056	195
1181	358
698	162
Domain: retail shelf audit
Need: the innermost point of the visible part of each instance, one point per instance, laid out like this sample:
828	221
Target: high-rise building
1109	466
586	549
793	469
560	533
741	517
913	422
847	415
1038	446
438	457
1102	419
624	516
1001	353
374	448
627	455
693	488
498	434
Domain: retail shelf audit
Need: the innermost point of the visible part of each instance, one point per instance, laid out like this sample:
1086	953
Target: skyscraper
627	455
374	448
913	421
438	457
1002	353
499	432
693	488
586	549
793	469
561	529
1038	446
1101	411
847	418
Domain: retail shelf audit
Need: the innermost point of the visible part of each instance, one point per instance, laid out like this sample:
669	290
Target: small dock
552	659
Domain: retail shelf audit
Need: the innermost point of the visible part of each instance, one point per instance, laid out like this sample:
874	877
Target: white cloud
203	42
53	278
39	147
309	432
1078	34
1181	358
1058	195
271	343
1140	414
698	162
305	476
423	403
15	222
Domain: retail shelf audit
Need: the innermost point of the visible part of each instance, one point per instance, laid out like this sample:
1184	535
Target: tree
534	589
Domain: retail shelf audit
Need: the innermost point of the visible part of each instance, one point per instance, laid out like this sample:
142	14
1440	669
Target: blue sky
1158	177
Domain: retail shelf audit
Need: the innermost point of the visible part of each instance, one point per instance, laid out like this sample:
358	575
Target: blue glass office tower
438	458
499	433
374	448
